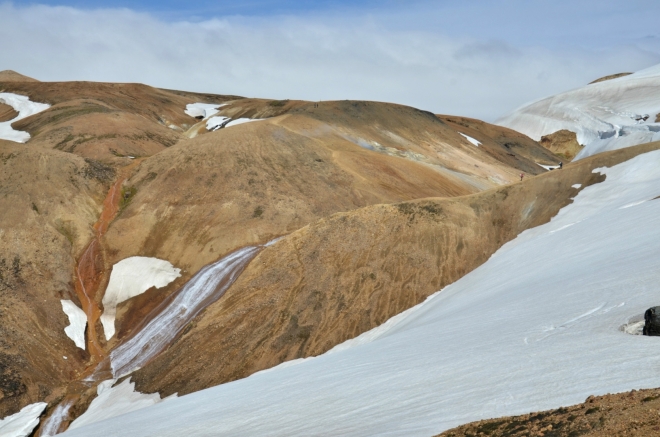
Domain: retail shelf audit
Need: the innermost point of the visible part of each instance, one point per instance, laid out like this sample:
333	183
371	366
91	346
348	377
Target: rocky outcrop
562	143
610	77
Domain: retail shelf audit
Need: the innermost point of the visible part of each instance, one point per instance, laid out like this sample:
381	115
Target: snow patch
576	186
472	140
25	108
114	401
51	426
548	167
203	110
77	323
131	277
219	122
22	423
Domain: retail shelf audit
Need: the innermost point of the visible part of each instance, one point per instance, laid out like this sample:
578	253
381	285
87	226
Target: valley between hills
158	243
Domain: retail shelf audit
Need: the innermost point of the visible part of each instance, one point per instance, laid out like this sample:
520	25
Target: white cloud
324	56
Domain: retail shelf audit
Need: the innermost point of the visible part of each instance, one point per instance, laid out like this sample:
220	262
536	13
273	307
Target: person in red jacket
522	175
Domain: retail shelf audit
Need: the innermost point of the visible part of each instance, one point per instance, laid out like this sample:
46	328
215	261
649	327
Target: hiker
561	164
522	175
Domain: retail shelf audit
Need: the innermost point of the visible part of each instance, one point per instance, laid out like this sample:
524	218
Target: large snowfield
605	116
535	327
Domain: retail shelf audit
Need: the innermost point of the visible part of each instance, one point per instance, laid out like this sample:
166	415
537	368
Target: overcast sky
480	58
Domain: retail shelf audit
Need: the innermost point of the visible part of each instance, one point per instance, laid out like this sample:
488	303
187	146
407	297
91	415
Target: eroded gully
158	329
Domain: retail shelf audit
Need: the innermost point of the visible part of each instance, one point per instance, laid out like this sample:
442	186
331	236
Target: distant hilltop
12	76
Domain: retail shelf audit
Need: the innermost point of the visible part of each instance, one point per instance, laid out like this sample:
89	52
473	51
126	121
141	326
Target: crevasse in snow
25	108
535	327
605	116
131	277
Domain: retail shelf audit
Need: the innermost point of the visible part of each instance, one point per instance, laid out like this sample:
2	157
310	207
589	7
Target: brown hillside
627	414
506	145
345	274
247	184
105	121
7	112
12	76
48	202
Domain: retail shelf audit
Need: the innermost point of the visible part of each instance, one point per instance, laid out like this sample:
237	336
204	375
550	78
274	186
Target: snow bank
25	108
204	110
114	401
215	123
129	278
78	321
605	116
470	139
22	423
535	327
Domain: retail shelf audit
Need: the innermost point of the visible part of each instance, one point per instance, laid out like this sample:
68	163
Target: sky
479	58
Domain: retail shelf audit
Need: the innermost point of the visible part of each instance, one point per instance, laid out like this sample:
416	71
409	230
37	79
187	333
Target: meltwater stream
207	286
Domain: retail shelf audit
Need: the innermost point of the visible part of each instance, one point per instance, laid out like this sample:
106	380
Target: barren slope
105	121
48	202
247	184
346	274
626	414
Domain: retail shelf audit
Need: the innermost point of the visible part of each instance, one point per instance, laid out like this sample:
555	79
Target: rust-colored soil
345	274
634	414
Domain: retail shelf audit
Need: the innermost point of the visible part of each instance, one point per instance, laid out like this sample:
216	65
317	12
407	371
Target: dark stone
652	321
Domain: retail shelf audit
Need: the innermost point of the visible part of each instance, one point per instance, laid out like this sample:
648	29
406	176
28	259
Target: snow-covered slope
535	327
605	116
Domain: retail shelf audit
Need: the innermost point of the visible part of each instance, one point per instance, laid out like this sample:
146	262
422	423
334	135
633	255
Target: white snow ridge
25	108
538	326
605	116
129	278
78	321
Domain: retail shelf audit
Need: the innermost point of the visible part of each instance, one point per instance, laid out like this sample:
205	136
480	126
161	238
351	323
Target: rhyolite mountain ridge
376	205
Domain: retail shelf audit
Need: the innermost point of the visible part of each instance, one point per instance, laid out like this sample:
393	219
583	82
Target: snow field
605	116
535	327
131	277
25	108
78	321
22	423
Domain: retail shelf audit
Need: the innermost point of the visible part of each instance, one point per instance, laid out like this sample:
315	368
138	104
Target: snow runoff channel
535	327
605	116
25	108
208	285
